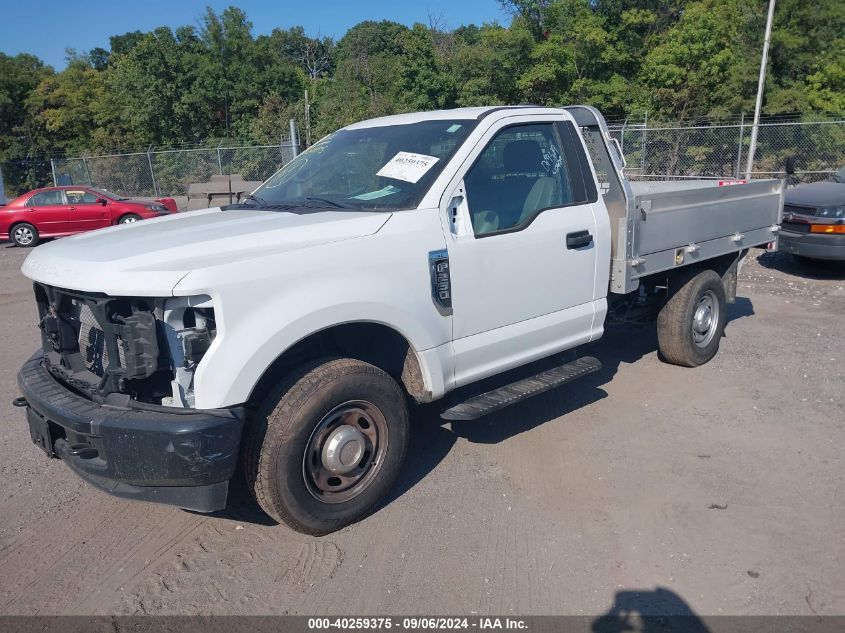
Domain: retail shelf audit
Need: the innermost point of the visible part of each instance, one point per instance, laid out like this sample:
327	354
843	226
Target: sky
47	27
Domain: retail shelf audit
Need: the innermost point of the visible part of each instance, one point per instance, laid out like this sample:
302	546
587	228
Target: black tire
24	235
288	427
129	218
679	332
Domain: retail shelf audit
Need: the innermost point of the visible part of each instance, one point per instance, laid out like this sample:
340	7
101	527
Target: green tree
807	58
551	73
122	44
688	74
64	108
19	76
486	69
155	88
423	79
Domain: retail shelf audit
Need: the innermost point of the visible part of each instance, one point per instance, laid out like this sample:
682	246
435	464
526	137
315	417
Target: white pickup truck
394	262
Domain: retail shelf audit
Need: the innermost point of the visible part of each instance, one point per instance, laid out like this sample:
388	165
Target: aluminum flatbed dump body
657	226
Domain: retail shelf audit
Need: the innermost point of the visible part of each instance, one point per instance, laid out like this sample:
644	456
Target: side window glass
46	198
521	172
80	197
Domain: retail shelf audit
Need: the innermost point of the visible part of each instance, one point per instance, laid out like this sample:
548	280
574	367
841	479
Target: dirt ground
718	490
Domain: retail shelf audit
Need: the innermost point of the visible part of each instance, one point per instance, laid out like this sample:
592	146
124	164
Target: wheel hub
23	235
343	449
705	319
345	452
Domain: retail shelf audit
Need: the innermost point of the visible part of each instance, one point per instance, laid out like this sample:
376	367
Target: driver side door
522	247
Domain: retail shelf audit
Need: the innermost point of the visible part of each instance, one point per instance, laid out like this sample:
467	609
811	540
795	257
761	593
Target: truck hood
149	258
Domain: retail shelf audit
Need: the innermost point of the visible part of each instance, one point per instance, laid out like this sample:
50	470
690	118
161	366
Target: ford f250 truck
393	262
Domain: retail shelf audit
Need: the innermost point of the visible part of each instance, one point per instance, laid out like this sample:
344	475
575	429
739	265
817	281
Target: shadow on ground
432	438
741	308
646	611
804	268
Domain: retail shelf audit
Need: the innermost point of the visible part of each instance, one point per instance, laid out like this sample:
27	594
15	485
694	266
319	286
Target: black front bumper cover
181	457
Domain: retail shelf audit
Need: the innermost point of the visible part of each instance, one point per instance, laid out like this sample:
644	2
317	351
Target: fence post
53	169
87	172
739	148
219	159
294	145
644	142
152	172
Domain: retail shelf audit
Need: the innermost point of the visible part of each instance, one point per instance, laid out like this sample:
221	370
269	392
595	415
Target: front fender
267	304
233	366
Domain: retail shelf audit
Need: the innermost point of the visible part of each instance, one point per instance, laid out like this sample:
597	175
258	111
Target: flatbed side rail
697	221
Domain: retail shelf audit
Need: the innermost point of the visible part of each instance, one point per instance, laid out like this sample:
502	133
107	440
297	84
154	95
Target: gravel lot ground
719	489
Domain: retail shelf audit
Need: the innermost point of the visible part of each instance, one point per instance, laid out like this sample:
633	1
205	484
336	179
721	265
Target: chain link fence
169	172
721	151
652	150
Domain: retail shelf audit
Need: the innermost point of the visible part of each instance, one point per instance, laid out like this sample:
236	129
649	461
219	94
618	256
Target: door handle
71	208
578	239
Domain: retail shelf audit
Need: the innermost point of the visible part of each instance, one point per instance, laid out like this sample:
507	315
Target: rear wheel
129	218
328	445
691	323
24	235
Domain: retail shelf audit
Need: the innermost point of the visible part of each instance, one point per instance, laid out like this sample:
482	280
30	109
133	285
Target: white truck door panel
505	279
521	289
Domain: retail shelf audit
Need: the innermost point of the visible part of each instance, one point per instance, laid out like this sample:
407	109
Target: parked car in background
814	220
61	211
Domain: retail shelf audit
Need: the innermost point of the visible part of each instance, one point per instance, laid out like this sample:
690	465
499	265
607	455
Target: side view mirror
102	201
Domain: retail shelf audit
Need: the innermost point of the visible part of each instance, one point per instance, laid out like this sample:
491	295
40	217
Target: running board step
502	397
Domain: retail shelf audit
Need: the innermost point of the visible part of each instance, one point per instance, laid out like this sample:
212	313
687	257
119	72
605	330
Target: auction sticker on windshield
407	166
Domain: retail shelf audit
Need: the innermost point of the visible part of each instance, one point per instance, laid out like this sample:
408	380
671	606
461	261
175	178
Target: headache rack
99	344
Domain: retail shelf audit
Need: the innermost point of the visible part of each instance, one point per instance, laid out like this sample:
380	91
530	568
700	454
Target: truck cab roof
469	114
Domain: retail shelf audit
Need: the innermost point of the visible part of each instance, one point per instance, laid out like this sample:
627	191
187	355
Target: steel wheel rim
345	452
129	220
705	319
23	235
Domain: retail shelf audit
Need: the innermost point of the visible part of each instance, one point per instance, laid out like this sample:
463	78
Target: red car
61	211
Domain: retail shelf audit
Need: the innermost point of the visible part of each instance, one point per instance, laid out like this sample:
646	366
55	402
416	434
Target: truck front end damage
111	394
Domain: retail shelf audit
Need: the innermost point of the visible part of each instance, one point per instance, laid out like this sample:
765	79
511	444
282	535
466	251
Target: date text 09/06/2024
416	623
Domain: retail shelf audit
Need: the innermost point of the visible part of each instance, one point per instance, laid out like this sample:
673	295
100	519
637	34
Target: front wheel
129	218
691	323
327	446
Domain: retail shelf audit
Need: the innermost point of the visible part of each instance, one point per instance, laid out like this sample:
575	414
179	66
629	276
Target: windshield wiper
255	198
336	205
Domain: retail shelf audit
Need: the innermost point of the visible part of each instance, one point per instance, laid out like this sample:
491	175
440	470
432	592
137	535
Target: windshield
107	194
388	167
